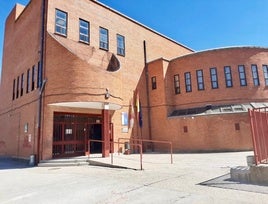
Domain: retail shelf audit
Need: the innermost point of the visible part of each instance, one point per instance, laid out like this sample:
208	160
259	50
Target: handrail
112	142
153	141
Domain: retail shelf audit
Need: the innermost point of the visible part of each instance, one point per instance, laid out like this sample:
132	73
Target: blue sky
198	24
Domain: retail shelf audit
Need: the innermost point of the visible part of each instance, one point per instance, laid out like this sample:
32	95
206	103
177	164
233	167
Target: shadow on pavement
226	182
12	163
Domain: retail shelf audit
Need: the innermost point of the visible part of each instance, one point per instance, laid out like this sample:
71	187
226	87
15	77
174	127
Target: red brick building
202	99
70	71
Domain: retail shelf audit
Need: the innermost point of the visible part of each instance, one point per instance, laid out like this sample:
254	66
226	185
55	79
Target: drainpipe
42	45
147	90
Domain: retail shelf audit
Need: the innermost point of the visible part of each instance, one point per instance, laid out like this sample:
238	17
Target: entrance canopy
90	105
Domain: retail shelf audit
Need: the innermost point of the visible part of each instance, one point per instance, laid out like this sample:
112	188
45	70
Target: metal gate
72	131
259	128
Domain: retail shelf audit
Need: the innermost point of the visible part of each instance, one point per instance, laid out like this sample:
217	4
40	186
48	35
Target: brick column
105	133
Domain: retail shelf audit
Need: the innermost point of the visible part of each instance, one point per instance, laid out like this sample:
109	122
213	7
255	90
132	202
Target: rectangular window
21	84
83	31
18	87
188	83
200	80
61	22
33	77
14	89
242	75
228	76
177	84
38	75
104	39
153	83
28	81
214	78
265	74
120	45
255	75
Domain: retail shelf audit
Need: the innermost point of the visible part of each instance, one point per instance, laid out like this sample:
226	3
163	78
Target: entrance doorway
72	131
95	133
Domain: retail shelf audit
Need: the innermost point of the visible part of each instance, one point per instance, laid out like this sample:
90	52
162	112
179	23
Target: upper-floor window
104	39
177	87
242	75
61	22
14	89
21	84
188	83
28	81
120	45
200	80
228	76
39	75
18	86
33	77
153	83
255	75
265	74
214	78
83	31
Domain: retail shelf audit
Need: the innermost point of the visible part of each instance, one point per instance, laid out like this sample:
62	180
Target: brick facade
218	131
75	72
76	77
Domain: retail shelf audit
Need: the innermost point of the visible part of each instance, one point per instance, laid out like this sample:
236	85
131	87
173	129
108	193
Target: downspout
147	91
41	86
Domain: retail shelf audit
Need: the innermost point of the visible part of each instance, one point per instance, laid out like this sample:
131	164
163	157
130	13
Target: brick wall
215	132
76	72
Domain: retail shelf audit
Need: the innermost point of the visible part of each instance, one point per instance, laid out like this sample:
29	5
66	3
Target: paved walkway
188	180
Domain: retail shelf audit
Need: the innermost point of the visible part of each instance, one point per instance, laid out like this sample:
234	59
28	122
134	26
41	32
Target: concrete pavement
159	182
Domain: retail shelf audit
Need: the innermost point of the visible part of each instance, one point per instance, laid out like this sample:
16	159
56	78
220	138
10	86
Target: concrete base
253	174
241	174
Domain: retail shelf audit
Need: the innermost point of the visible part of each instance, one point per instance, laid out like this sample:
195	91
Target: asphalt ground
192	178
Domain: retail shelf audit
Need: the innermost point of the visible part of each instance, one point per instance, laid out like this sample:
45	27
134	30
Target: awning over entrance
90	105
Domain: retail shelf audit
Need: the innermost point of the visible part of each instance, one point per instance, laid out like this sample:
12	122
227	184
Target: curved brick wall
219	131
219	58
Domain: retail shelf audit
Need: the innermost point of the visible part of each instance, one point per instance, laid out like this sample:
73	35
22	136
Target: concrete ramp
114	161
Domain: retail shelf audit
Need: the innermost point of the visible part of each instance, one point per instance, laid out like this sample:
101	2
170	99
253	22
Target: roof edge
221	48
140	24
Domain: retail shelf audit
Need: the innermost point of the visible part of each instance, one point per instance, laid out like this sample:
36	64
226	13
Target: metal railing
152	141
259	129
111	142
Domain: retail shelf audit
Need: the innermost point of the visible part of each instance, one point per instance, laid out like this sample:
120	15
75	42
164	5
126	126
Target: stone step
240	174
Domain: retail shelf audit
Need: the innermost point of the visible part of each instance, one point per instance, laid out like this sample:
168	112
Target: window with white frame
242	75
228	76
61	22
214	78
265	74
83	31
255	75
120	45
188	83
104	39
200	80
